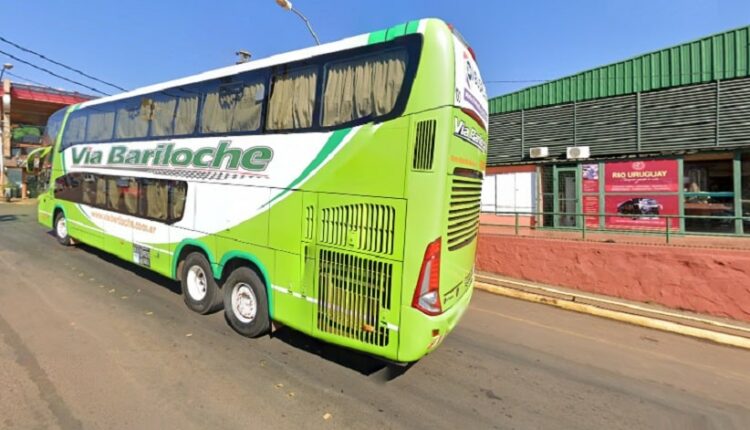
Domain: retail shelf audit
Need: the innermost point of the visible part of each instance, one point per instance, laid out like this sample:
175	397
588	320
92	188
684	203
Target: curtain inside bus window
101	191
292	99
156	198
162	122
75	130
367	86
114	196
178	193
100	124
232	107
132	118
186	115
130	193
89	190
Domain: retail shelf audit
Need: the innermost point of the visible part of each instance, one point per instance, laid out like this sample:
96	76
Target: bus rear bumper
420	334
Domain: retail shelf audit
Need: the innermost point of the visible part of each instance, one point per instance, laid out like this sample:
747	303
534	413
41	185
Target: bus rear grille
463	211
364	226
424	145
352	292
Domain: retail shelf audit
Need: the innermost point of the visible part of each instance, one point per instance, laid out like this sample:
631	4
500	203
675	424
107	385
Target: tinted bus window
364	87
233	107
75	129
155	199
132	118
174	112
100	123
54	125
292	100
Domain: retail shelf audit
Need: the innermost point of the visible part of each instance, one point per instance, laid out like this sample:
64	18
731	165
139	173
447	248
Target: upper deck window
363	87
235	106
292	100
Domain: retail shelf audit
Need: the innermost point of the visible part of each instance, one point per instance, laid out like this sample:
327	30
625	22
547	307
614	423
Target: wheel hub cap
62	228
197	283
244	303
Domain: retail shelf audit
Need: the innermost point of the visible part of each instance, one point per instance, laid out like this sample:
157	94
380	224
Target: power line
27	79
60	64
52	73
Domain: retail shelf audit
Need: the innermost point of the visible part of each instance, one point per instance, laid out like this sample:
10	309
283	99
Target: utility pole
286	4
4	126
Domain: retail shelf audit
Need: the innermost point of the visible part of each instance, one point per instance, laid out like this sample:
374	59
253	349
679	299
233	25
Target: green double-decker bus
334	189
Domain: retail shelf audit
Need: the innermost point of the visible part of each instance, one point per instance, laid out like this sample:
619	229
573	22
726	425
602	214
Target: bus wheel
199	288
61	230
246	303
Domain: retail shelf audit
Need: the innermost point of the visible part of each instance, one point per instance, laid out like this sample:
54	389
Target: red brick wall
709	281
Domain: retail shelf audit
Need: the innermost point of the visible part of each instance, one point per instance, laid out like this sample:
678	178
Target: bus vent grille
463	211
363	226
309	222
424	145
352	293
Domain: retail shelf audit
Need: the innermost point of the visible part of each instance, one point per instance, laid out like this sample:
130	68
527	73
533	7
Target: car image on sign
640	206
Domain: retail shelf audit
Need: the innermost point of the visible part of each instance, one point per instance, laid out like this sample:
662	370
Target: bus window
100	123
155	200
174	112
177	195
132	118
364	87
54	125
162	116
75	130
89	190
292	99
233	107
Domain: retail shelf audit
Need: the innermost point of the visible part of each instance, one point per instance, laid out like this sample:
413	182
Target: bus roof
416	26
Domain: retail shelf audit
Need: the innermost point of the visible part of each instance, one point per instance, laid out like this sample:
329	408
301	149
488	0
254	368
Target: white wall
509	192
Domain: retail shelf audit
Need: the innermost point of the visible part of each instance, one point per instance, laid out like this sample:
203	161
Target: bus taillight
427	295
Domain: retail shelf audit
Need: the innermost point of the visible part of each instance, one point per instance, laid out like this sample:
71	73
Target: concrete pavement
87	341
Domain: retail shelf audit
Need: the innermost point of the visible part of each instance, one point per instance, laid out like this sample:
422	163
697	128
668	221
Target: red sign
641	211
590	178
591	206
642	175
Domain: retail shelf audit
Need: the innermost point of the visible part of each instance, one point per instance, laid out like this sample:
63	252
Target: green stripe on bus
331	144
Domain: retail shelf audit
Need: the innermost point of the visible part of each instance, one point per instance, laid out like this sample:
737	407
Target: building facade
24	112
659	141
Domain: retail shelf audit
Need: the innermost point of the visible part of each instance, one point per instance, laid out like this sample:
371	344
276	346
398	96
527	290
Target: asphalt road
87	341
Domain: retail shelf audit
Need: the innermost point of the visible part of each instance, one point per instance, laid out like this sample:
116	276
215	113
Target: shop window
709	195
548	196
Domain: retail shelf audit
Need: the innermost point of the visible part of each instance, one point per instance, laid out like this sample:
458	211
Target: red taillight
427	294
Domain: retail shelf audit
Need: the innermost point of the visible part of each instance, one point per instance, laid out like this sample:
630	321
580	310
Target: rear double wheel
199	288
246	303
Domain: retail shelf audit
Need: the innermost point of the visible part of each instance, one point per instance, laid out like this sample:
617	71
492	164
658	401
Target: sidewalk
720	330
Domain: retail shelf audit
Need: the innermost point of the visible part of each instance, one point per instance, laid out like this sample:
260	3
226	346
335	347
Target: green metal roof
721	56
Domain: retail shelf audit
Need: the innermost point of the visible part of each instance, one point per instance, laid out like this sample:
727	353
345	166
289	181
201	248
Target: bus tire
246	303
61	230
199	288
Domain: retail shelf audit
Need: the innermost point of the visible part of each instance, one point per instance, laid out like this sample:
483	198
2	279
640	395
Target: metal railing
666	226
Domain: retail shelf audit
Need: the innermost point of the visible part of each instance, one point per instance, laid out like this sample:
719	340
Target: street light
286	4
6	66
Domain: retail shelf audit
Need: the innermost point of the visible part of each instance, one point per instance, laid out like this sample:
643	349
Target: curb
639	320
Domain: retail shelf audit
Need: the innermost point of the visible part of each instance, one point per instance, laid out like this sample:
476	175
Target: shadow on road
8	218
372	367
144	273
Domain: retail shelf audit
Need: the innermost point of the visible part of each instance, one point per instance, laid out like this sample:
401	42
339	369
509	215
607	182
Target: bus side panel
264	258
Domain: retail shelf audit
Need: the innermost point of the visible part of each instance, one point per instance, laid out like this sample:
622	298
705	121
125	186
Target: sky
140	42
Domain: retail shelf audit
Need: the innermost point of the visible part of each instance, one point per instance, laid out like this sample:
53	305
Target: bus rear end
445	218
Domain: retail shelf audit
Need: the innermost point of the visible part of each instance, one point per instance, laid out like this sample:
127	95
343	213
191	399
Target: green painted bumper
416	328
